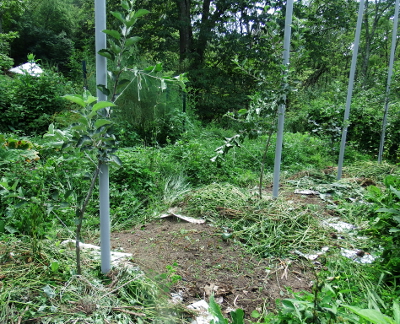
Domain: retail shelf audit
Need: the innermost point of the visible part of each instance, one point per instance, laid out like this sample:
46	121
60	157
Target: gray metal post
101	78
281	112
389	79
350	88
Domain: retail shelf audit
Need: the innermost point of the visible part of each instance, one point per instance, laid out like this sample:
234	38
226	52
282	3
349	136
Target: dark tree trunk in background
185	28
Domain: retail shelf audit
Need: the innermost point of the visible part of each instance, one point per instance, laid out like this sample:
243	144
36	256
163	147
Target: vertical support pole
101	78
350	88
389	79
281	112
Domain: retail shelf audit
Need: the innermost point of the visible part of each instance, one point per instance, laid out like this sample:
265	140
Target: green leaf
396	312
132	40
54	266
112	33
388	210
115	48
116	159
122	84
101	122
396	192
237	316
216	311
88	98
50	129
370	315
76	99
101	105
125	5
140	13
107	54
103	89
119	16
83	140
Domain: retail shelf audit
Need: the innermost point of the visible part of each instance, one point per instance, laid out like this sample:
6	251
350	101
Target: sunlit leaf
76	99
132	40
101	122
101	105
112	33
119	16
141	12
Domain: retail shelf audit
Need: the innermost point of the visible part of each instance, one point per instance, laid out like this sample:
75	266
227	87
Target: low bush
28	103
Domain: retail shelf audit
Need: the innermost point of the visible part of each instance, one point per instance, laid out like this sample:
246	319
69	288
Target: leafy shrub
28	103
323	116
386	226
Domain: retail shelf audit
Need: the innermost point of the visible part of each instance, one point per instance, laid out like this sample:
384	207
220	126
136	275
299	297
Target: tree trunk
185	28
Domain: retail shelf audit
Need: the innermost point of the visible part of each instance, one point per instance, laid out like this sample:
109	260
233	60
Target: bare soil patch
209	264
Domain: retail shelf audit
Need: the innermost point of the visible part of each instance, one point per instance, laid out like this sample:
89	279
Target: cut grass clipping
265	227
43	288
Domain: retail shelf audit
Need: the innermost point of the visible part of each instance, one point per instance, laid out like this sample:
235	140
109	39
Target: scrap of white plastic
338	225
172	213
204	316
352	254
30	68
306	192
312	257
116	257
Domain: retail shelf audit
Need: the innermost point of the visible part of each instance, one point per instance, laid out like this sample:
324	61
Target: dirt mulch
209	264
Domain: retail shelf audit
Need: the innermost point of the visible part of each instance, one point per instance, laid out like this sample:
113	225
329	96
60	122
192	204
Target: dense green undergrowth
40	187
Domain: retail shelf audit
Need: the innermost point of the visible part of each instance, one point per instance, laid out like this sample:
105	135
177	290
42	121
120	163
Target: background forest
231	52
169	139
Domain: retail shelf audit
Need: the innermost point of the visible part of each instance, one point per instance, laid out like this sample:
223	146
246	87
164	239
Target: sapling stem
80	219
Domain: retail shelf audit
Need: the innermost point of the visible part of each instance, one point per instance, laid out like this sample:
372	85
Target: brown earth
209	264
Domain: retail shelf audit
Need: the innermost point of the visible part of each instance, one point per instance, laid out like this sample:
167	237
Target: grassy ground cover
37	273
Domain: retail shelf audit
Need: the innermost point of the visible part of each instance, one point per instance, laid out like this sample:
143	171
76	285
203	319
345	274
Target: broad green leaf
158	67
216	311
103	89
394	230
101	105
396	312
237	316
140	13
130	21
397	219
119	16
125	5
83	140
132	40
122	84
396	192
107	54
14	186
51	129
112	33
76	99
388	210
255	314
116	159
115	48
101	122
88	98
370	315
